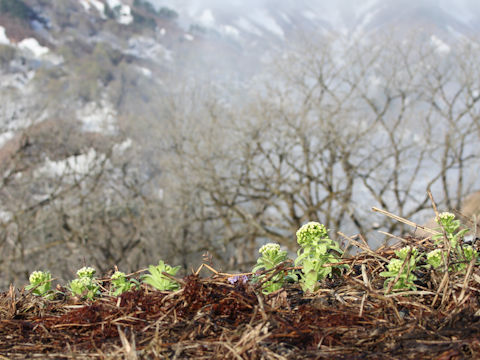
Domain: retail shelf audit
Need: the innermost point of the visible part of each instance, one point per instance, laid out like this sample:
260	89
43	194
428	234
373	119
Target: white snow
246	25
32	45
5	216
98	117
263	19
98	5
114	3
148	48
188	37
206	18
79	165
231	31
119	149
160	194
440	45
123	12
86	5
3	37
126	16
144	71
4	137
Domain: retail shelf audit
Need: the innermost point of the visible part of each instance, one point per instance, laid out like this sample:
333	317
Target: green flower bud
117	275
395	265
444	217
311	233
435	258
469	252
269	249
86	271
403	252
38	277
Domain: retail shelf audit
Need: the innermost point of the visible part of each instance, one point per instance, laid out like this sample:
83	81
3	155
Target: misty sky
463	10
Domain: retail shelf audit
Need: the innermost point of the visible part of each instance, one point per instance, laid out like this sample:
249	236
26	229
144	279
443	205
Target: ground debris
349	317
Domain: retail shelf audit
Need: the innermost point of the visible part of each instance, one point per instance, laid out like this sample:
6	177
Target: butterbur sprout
444	217
86	271
311	233
38	277
40	282
118	275
403	252
469	252
269	248
395	265
435	258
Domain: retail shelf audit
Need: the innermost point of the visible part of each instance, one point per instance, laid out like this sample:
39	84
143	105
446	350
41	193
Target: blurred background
138	130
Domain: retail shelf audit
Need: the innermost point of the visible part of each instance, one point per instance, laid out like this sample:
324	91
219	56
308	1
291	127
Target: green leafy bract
121	284
160	281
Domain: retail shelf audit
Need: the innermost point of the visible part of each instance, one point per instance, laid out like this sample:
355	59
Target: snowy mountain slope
279	18
202	37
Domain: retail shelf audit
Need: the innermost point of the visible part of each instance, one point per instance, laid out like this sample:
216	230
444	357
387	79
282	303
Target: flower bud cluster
395	265
38	277
403	252
444	217
118	275
269	249
311	233
435	258
86	272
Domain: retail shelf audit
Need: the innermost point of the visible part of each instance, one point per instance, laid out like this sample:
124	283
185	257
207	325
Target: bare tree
331	131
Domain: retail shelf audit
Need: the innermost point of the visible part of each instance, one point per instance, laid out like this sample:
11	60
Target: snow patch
144	71
3	37
147	48
32	45
5	216
261	18
5	137
73	165
440	45
246	25
98	117
86	5
188	37
231	31
119	149
96	4
206	18
123	12
126	16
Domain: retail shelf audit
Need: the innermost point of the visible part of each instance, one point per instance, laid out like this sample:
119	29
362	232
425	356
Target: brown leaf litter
350	317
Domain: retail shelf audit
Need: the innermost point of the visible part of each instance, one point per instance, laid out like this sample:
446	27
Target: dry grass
350	317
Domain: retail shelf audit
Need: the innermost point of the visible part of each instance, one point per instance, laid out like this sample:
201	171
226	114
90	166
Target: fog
463	10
